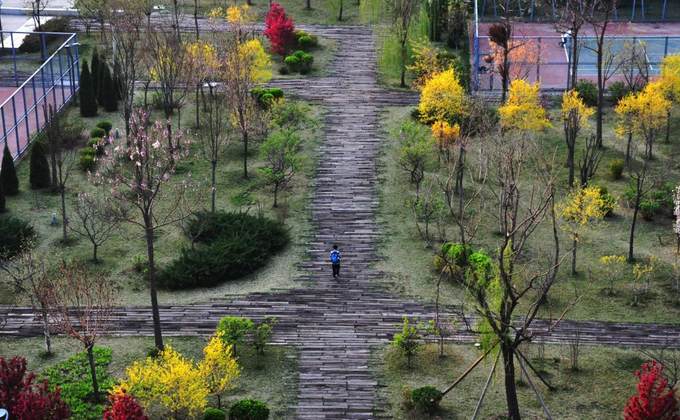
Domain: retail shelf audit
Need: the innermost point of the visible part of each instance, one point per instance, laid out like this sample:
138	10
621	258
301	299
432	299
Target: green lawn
271	378
598	390
408	264
234	193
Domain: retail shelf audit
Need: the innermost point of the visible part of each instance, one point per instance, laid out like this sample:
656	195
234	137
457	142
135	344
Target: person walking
335	261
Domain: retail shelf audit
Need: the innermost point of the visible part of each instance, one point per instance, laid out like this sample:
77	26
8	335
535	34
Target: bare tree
98	218
83	303
571	20
37	8
62	150
598	15
29	277
126	32
402	12
217	133
590	160
669	358
92	10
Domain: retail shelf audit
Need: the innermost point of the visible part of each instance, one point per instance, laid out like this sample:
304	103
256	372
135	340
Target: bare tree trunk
340	12
93	372
158	337
403	63
245	154
573	257
510	385
64	219
213	184
631	239
46	330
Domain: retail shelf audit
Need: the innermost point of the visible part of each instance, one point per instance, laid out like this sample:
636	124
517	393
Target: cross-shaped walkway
334	323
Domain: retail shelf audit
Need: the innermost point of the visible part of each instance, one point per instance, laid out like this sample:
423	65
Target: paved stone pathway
333	323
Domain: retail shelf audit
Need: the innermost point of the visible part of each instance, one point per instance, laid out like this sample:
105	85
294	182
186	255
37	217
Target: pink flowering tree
138	172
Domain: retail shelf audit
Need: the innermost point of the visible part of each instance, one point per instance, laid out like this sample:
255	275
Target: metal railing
53	84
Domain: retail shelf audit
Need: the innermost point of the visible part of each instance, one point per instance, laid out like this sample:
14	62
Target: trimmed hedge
230	246
105	125
14	233
249	410
212	413
31	43
426	399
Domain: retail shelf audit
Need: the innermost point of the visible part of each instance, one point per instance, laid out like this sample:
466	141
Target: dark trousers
336	270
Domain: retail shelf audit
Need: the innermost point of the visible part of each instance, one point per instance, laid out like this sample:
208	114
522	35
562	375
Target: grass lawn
271	378
234	193
408	264
598	390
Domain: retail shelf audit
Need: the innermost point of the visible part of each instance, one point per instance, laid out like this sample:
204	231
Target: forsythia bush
442	98
523	110
172	385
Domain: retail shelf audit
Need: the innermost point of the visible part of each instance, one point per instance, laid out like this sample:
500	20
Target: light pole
2	34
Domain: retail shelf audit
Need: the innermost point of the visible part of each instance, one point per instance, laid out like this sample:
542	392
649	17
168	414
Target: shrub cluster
617	91
212	413
73	377
657	202
426	399
299	62
588	91
14	234
306	41
231	245
234	329
266	96
95	146
32	42
249	410
616	169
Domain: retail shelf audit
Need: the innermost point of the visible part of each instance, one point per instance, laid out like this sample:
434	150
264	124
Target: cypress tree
39	176
96	73
108	91
8	174
2	200
88	102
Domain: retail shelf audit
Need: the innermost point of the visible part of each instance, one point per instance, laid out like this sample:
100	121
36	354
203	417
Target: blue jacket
335	256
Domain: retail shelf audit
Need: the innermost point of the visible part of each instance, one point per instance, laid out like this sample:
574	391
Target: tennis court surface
543	53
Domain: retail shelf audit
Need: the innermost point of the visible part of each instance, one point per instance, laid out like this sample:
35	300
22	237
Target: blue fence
546	59
26	94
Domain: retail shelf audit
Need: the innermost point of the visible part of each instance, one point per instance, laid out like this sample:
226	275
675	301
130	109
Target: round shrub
229	246
86	161
617	91
249	410
97	133
616	169
456	253
105	125
293	63
648	209
608	201
283	70
97	146
588	91
14	234
305	40
427	399
212	413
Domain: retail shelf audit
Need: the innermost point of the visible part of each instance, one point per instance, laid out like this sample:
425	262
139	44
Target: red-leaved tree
654	400
26	400
279	29
124	407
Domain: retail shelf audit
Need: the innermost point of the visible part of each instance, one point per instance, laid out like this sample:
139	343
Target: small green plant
262	333
87	161
588	91
407	341
299	62
97	133
249	410
105	125
234	329
212	413
426	399
306	41
617	91
616	169
649	208
97	145
139	263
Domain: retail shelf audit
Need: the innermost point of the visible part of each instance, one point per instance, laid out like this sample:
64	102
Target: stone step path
335	323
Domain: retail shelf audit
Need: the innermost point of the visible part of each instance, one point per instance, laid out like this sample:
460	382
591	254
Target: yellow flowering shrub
644	112
523	110
574	108
670	74
169	384
258	63
445	134
583	206
218	368
442	98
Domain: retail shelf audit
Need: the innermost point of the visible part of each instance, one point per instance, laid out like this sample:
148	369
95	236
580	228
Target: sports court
543	53
24	95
